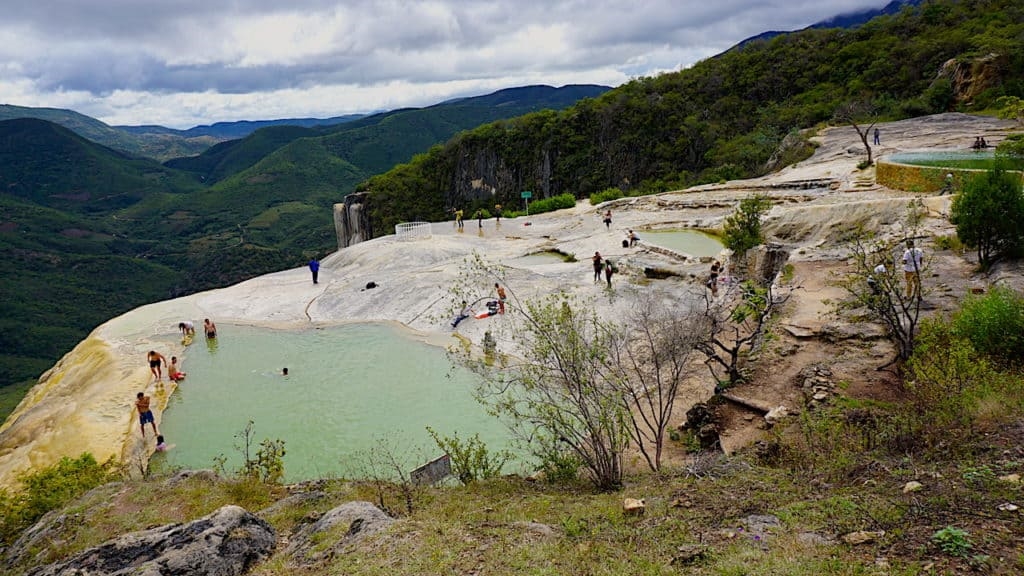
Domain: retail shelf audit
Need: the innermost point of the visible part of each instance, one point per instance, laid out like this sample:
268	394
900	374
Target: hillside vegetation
736	115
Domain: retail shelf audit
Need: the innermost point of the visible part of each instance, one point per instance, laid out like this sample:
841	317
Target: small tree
650	359
989	215
734	326
560	395
874	286
742	229
861	115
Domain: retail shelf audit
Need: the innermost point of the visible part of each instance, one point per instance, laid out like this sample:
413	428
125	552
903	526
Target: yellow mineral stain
85	403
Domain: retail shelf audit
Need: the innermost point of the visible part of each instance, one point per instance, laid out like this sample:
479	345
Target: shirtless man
155	359
145	414
210	328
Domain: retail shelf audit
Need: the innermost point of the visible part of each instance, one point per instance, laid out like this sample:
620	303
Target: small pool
538	259
348	387
692	242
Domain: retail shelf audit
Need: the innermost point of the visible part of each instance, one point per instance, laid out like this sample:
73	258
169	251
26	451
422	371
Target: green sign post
526	194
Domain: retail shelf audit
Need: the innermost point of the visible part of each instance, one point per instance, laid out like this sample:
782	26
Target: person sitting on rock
172	370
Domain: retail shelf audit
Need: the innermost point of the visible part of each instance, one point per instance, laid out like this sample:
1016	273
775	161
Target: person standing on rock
155	360
501	297
878	136
145	414
609	269
497	213
608	219
458	218
598	265
716	269
314	267
913	261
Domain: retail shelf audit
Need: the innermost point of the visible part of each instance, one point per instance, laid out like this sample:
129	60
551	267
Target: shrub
605	195
49	489
953	541
989	215
471	460
994	324
742	230
554	203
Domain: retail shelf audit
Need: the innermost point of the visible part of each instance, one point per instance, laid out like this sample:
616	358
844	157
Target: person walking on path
608	219
609	269
145	414
598	265
913	261
501	297
458	218
155	360
314	267
878	136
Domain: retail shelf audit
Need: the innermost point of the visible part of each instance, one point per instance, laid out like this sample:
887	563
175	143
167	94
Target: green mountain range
88	232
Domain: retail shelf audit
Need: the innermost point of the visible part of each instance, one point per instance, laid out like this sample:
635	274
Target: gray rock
186	475
360	520
226	543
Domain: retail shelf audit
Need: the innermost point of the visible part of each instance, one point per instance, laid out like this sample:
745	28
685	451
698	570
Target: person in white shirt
913	262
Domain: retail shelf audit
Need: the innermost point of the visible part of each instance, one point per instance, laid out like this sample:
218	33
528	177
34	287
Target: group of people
913	263
495	306
157	362
458	213
605	265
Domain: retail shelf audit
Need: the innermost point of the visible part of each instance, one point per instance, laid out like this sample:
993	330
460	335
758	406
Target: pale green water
347	388
690	242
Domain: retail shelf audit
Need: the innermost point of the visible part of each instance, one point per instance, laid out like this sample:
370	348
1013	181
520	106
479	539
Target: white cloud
186	62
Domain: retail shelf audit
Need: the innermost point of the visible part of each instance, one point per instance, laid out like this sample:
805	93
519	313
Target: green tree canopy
989	215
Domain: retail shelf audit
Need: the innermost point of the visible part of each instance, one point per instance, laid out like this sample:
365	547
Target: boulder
359	520
226	543
633	507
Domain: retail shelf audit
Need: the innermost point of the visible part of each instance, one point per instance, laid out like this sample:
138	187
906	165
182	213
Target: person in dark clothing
878	136
314	267
598	265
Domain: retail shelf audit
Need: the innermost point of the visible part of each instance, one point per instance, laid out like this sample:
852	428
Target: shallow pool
691	242
347	388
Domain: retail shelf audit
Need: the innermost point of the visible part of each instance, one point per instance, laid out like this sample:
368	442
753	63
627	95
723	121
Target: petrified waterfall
352	220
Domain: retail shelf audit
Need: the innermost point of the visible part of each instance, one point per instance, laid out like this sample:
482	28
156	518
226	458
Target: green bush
994	324
742	230
605	195
953	541
551	204
471	460
49	489
989	215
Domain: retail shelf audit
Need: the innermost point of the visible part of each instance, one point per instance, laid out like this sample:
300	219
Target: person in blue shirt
314	267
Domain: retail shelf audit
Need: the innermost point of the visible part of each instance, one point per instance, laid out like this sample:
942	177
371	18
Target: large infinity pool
347	388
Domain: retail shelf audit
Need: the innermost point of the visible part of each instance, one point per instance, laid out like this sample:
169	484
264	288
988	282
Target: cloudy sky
181	63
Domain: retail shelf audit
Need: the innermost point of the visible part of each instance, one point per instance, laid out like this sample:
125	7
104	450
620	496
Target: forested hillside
726	117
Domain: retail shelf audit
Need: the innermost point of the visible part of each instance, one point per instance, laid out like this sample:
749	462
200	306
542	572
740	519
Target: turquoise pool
347	388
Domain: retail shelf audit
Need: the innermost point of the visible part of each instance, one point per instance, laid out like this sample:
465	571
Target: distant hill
158	142
68	261
851	20
377	142
240	129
